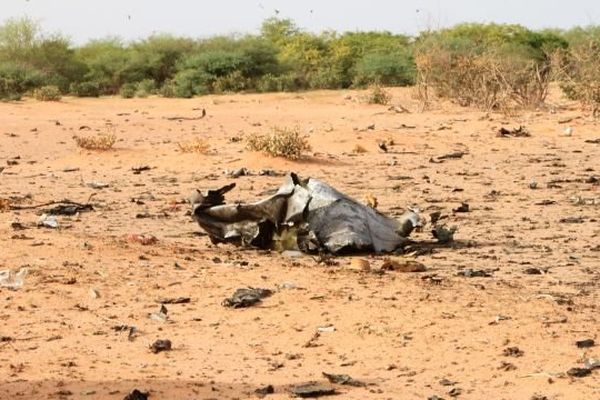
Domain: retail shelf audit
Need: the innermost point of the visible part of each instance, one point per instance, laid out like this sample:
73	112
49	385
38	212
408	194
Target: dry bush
47	93
578	71
492	79
104	141
378	95
281	142
196	145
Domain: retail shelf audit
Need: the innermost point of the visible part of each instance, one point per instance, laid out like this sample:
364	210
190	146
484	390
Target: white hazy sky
132	19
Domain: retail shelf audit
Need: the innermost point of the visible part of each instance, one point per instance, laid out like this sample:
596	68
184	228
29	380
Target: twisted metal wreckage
307	215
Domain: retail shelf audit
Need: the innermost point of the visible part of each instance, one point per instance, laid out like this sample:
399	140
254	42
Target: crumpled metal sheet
307	215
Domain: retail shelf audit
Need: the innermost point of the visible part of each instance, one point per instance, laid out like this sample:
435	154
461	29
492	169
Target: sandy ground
406	335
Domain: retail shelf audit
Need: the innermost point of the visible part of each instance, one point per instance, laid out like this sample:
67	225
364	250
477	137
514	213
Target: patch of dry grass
103	141
281	142
378	95
196	145
47	93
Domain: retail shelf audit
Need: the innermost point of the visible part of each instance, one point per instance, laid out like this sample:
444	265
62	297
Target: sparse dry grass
196	145
281	142
47	93
378	95
104	141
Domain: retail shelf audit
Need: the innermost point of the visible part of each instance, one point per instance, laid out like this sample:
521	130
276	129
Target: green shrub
85	89
47	93
128	90
15	80
233	82
391	69
145	88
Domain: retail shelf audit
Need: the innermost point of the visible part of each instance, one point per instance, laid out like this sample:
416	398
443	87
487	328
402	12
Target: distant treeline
281	58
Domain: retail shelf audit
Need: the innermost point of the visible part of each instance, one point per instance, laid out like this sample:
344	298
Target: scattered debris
343	379
174	300
463	208
246	297
443	234
535	271
521	131
13	280
137	395
592	363
264	391
48	221
161	315
578	372
572	220
513	351
140	168
68	208
586	343
312	389
474	273
97	185
160	345
450	156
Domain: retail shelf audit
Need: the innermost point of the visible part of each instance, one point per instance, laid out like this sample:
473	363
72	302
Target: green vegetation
484	65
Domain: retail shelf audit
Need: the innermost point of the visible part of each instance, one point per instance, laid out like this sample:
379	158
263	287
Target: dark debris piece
463	208
174	300
68	209
312	389
512	352
586	343
474	273
534	271
571	220
264	391
343	379
521	131
246	297
161	345
137	395
577	372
